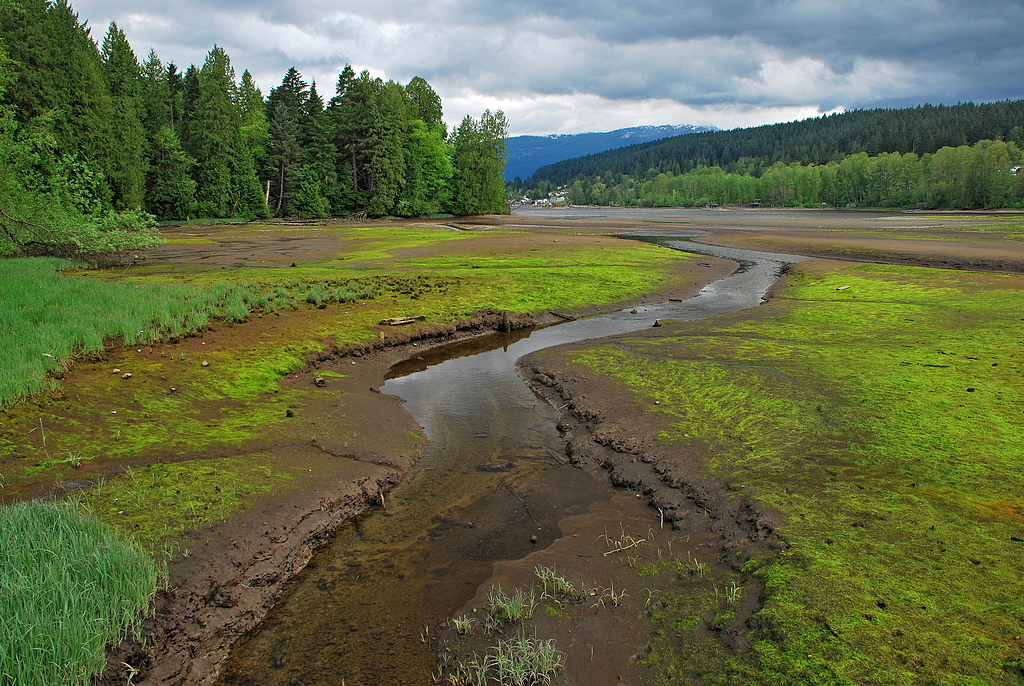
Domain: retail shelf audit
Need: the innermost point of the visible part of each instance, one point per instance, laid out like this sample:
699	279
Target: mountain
528	153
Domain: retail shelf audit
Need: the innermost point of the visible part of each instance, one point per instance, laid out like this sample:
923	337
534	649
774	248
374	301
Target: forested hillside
94	143
966	156
826	139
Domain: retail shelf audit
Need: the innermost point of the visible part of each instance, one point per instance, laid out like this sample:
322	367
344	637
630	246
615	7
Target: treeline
989	174
95	144
817	141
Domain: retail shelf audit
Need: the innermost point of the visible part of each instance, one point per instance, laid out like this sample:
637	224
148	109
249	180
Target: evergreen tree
59	76
424	103
126	160
225	172
350	119
479	152
170	189
154	95
189	105
317	173
284	155
387	142
255	127
429	171
286	107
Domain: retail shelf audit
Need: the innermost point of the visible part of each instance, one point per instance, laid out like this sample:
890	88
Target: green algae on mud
877	409
157	503
181	398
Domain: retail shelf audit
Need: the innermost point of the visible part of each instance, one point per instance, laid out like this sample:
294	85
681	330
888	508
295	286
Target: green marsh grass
883	421
68	587
49	317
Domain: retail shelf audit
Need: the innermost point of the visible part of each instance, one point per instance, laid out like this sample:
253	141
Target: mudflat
319	445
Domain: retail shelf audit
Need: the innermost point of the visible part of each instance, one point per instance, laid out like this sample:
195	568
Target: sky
571	66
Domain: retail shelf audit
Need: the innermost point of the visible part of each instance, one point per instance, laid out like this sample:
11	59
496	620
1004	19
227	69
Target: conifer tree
126	160
479	151
225	173
285	105
424	103
170	189
317	173
255	127
387	140
351	118
154	95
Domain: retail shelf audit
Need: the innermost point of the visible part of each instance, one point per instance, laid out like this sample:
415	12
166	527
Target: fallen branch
627	547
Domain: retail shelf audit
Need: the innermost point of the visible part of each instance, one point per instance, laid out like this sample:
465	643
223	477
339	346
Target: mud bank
228	576
602	431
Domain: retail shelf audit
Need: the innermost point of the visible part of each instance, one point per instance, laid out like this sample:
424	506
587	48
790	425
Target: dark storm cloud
591	64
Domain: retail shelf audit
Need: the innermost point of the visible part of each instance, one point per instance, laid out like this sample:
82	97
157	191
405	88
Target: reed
68	588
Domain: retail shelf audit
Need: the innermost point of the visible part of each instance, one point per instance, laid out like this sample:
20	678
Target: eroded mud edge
600	432
236	571
229	575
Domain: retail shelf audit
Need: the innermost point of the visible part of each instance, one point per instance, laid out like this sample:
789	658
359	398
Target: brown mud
356	441
233	571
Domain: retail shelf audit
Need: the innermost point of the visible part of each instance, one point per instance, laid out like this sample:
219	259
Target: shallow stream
493	478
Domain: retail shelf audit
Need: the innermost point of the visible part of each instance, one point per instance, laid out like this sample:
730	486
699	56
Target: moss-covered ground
877	408
186	391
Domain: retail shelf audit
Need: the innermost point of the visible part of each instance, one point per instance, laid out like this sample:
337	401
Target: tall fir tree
170	189
387	140
317	173
285	106
59	77
480	151
225	173
424	103
127	159
255	127
351	118
154	94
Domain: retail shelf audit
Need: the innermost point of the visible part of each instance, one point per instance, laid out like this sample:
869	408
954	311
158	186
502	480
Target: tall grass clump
46	317
68	588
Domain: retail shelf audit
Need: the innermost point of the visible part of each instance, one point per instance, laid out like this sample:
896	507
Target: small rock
533	539
116	370
657	323
320	382
126	375
289	413
632	311
205	363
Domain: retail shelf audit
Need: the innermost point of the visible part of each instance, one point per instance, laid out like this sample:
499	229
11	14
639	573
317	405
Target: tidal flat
831	476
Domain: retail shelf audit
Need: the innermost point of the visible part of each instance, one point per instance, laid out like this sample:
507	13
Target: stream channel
494	476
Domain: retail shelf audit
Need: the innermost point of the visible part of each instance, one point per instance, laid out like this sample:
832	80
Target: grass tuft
68	587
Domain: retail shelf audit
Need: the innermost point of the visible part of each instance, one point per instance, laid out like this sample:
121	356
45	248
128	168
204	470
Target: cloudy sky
569	66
